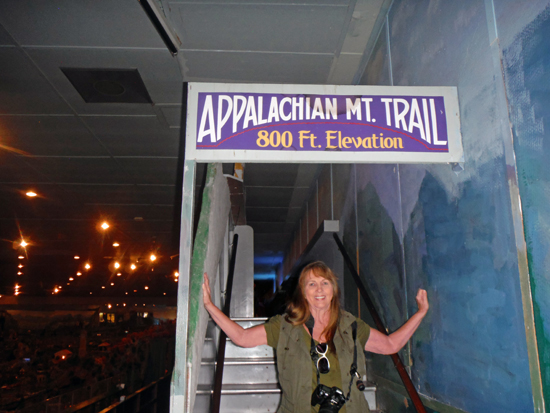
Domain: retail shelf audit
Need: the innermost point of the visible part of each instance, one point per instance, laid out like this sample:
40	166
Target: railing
220	359
409	386
67	401
154	397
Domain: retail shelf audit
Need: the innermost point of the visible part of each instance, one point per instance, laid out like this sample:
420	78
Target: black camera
330	399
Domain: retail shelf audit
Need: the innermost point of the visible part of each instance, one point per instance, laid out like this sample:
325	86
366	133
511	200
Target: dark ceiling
90	120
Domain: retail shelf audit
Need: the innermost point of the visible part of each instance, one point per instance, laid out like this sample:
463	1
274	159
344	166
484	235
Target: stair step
241	371
234	351
233	388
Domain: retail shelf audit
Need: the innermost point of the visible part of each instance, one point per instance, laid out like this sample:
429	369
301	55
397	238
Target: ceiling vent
108	85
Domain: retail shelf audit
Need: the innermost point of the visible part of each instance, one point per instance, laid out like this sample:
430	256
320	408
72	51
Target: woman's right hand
206	293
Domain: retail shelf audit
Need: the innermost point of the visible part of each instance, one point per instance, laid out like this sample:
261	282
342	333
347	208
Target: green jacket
294	367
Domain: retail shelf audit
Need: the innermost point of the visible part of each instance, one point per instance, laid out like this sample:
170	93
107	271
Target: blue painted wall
454	233
526	60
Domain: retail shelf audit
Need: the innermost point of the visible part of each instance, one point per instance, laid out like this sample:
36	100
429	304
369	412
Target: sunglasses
323	364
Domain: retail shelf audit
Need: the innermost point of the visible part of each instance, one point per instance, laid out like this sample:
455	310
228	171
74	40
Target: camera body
330	399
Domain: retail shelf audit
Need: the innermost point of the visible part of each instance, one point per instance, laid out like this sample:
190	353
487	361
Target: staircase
249	378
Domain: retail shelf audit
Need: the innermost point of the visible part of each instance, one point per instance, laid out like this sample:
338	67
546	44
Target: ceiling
117	160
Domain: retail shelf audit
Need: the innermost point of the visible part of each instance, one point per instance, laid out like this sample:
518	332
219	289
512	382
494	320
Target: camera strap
353	368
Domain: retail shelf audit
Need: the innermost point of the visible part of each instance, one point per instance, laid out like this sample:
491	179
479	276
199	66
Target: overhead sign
310	123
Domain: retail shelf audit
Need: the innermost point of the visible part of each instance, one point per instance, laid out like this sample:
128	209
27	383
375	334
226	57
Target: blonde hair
297	311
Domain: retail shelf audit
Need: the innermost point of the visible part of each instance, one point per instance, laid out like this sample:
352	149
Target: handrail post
217	393
409	386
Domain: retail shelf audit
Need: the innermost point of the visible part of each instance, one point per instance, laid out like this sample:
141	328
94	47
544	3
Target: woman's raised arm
382	344
244	337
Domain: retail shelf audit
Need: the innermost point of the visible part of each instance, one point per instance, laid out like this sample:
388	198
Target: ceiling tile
135	135
260	27
82	170
50	136
5	38
231	67
161	170
23	88
14	168
167	88
79	23
172	114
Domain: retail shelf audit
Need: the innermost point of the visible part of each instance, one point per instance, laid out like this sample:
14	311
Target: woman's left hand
422	301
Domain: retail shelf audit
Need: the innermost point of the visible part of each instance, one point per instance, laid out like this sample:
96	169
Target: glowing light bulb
79	273
19	273
146	287
76	257
117	265
31	194
21	257
71	279
105	225
23	243
116	244
153	257
87	266
133	266
20	266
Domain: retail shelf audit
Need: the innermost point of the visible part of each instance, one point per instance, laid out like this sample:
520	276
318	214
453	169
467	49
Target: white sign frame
454	138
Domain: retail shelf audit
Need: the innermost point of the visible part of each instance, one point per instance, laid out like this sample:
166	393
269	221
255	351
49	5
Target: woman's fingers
422	300
206	290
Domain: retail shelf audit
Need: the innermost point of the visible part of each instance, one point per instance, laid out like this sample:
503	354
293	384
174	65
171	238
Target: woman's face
318	292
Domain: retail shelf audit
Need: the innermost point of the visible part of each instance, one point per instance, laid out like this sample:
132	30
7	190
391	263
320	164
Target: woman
316	343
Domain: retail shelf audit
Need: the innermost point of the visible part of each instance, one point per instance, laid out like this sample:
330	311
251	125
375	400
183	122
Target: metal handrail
409	386
220	359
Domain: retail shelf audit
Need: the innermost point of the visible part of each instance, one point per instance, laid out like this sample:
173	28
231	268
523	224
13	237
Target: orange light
56	290
146	287
133	266
31	194
76	257
71	279
118	274
176	274
117	265
109	305
21	257
19	273
153	257
116	244
103	286
20	266
87	266
23	243
105	225
112	283
79	273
